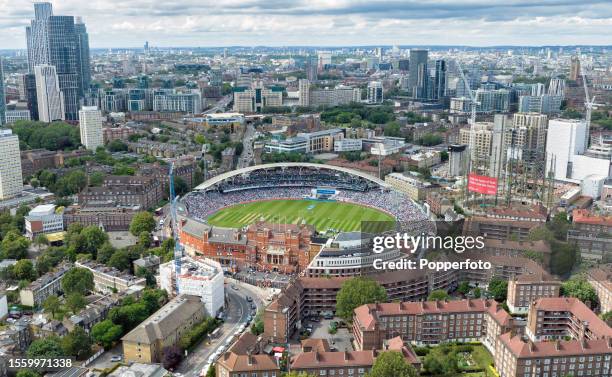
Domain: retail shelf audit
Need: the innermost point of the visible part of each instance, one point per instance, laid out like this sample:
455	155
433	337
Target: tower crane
473	105
178	248
588	104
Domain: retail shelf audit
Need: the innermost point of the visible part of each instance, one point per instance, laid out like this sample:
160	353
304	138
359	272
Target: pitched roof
246	363
578	309
166	320
528	349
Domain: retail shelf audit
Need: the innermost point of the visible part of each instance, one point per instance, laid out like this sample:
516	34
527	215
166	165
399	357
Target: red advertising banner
482	184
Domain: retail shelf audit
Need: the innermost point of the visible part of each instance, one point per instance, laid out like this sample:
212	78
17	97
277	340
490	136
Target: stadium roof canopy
222	177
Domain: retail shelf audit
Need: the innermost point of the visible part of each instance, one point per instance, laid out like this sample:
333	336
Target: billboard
482	184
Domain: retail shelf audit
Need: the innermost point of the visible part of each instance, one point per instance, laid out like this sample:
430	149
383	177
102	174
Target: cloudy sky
128	23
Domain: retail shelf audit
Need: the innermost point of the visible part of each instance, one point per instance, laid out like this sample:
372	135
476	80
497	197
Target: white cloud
120	23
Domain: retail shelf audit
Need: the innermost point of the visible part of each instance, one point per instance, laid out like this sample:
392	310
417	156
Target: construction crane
178	249
588	104
473	104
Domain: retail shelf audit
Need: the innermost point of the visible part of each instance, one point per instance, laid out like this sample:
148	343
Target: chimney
558	345
249	359
316	356
583	343
532	346
346	356
609	339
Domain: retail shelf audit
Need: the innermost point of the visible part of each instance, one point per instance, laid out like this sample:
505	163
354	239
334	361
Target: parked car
115	358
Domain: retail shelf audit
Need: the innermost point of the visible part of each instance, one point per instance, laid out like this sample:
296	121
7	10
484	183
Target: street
237	311
246	157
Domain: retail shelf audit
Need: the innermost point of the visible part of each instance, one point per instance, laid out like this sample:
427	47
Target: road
247	152
220	106
238	309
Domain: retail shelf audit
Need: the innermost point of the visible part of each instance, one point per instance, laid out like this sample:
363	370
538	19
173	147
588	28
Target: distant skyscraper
90	124
565	140
57	41
403	65
2	97
375	92
11	180
304	93
575	68
325	59
418	74
83	58
439	84
29	81
556	87
49	97
311	69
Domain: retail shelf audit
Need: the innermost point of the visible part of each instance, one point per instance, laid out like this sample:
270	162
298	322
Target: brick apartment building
111	218
144	344
430	322
503	223
591	234
524	289
323	362
600	278
563	338
561	317
124	190
35	160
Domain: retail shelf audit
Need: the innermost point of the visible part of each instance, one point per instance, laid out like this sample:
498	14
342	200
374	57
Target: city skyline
190	23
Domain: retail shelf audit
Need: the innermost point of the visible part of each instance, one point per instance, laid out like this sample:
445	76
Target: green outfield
322	214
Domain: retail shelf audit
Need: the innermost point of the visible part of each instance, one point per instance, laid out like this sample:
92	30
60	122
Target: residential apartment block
430	322
47	285
145	343
526	288
108	279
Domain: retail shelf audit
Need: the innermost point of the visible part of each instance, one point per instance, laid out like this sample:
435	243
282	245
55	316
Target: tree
356	292
41	240
579	288
77	343
77	280
438	295
120	260
153	299
49	347
117	146
145	239
105	252
96	179
24	270
172	356
212	371
499	289
258	324
14	246
142	222
27	373
392	364
51	305
464	288
75	302
559	225
106	333
93	239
